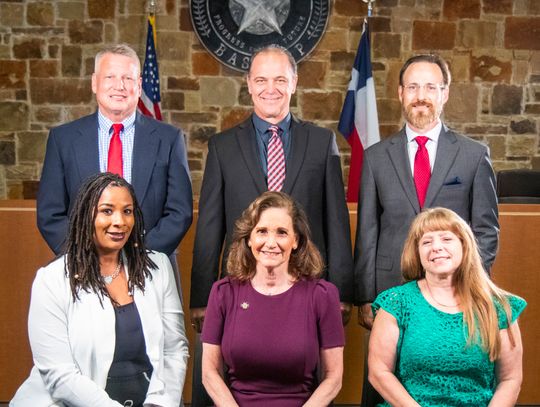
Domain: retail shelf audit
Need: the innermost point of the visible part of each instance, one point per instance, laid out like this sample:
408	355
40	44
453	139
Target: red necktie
114	162
276	161
422	170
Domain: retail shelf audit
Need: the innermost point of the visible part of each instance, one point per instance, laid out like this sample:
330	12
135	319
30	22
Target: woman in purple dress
271	322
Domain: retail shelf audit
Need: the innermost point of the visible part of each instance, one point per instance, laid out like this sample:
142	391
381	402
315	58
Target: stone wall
47	49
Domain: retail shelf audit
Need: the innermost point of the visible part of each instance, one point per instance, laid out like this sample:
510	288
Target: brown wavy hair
305	261
472	285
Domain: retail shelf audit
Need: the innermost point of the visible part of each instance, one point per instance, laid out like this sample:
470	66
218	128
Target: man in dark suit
393	190
152	158
237	172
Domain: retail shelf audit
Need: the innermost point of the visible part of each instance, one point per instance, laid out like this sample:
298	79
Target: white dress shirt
431	145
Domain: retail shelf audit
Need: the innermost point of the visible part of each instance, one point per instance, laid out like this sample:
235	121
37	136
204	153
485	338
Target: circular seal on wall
232	29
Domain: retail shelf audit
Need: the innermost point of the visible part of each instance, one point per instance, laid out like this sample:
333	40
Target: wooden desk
22	252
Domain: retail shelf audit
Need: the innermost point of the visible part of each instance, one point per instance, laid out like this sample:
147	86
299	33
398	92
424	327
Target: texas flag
359	122
149	102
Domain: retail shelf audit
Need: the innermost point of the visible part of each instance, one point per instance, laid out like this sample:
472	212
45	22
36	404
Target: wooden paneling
22	252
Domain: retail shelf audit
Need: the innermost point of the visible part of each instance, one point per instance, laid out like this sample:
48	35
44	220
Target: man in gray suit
459	177
236	173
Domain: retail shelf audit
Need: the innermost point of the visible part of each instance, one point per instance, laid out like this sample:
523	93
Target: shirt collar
105	123
262	125
432	134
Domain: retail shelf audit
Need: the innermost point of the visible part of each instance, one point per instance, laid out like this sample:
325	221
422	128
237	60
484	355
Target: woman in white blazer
106	325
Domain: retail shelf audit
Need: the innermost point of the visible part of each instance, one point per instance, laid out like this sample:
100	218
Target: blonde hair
117	49
477	293
305	261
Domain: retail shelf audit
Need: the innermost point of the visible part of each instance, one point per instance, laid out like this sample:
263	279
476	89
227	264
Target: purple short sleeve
328	314
214	319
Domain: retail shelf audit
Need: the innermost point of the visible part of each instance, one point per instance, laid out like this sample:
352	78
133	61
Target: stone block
485	129
477	34
462	105
75	112
14	190
523	126
321	106
333	40
185	20
350	8
53	51
311	74
522	33
244	97
380	24
172	100
521	146
195	165
103	9
14	116
86	32
532	108
11	14
70	10
30	189
386	45
40	13
199	135
341	60
388	3
182	83
110	32
170	6
174	45
71	60
490	69
391	82
497	147
204	64
182	120
61	91
218	91
429	35
234	116
5	51
173	68
535	163
497	6
388	110
43	68
136	6
31	146
88	66
20	94
520	72
458	9
47	114
7	152
12	74
28	48
506	99
22	171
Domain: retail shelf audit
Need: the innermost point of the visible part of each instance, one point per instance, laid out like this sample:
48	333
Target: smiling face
441	252
271	82
273	239
114	220
117	85
422	104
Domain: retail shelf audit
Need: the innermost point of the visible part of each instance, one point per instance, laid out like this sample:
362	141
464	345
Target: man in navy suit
153	155
461	178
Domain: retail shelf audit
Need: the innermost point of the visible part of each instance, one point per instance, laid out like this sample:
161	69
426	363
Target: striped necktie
275	161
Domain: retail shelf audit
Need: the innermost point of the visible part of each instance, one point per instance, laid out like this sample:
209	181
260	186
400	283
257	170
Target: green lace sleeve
393	302
517	305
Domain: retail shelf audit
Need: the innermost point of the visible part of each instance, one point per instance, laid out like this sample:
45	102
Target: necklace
109	279
435	299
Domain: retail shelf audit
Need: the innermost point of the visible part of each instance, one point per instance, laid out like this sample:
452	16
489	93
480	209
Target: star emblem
244	305
257	10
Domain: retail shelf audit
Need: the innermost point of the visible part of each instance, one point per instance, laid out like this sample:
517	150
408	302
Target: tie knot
117	128
274	130
421	140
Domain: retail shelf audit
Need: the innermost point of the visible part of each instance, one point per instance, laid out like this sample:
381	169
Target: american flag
149	102
359	121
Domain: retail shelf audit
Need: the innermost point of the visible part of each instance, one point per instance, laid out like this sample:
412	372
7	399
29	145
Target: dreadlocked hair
81	261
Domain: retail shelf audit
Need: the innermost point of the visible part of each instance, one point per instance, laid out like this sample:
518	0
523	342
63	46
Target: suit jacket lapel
85	148
145	148
299	142
397	151
447	149
245	137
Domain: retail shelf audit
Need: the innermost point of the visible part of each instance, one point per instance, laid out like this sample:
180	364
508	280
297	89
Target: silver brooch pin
244	305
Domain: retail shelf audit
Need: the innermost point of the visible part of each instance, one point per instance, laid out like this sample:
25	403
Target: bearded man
424	165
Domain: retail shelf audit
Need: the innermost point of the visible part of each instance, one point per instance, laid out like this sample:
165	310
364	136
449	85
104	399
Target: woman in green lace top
448	336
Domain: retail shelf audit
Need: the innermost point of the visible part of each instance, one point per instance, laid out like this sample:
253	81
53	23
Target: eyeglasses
430	88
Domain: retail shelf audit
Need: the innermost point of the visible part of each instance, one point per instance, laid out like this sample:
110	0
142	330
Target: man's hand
345	312
197	318
365	316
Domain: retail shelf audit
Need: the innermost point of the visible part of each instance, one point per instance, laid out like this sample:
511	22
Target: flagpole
369	6
152	8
